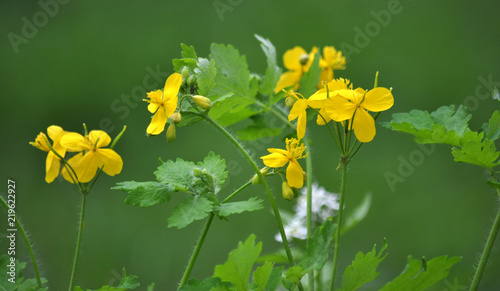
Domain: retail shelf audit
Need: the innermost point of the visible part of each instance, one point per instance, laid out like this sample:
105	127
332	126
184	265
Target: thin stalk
339	224
28	244
237	191
196	251
262	179
309	207
78	243
487	250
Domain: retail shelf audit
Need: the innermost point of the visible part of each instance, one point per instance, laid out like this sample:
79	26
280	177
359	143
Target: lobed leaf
126	283
229	208
145	193
19	283
205	73
492	128
190	210
476	151
188	59
273	71
178	174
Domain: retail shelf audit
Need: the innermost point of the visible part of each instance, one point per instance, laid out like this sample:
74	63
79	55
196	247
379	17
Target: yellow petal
294	175
378	99
363	126
310	60
52	167
291	58
74	142
110	161
87	167
99	136
55	133
339	109
288	79
299	108
279	151
40	142
325	76
275	160
172	86
158	122
317	100
301	125
323	117
73	162
170	106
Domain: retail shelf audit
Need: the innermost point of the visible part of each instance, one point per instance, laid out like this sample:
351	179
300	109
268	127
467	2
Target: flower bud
304	59
191	81
287	191
171	135
197	172
176	117
185	73
256	179
203	102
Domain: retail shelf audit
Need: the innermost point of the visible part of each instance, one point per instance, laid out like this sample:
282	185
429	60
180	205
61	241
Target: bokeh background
79	61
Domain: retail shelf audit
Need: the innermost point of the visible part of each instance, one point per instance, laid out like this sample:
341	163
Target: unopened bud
171	135
185	73
304	59
203	102
191	81
256	180
197	172
176	117
287	191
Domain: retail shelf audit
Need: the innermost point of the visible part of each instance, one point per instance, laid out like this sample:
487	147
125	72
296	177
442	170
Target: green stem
237	191
339	223
78	243
487	250
196	251
309	206
26	240
262	179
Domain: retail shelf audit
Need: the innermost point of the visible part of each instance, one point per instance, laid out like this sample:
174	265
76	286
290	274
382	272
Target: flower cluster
324	205
90	154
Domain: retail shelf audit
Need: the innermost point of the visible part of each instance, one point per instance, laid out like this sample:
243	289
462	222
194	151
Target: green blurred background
88	54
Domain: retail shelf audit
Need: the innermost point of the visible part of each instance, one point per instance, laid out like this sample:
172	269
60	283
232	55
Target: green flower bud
304	59
197	172
185	73
255	178
191	81
287	191
203	102
171	135
176	117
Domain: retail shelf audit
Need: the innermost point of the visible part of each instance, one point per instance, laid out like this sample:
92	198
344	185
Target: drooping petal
55	132
339	109
378	99
363	126
74	142
291	58
172	86
52	167
87	167
274	160
288	79
299	108
158	122
110	161
294	174
301	125
99	136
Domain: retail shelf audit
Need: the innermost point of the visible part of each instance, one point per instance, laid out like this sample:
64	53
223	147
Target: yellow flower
332	60
353	105
298	111
52	163
92	156
163	103
317	100
279	158
297	61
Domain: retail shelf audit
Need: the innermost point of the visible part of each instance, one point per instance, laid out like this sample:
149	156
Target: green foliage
267	278
492	128
476	151
201	181
419	275
239	264
17	281
126	283
273	71
207	285
205	73
258	129
145	193
188	59
363	269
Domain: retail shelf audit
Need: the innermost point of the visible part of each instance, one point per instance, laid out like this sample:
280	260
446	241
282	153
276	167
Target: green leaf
445	125
16	281
205	73
196	285
216	166
420	275
258	128
145	193
188	59
261	276
294	274
273	71
229	208
363	269
126	283
238	267
492	128
476	151
190	210
318	246
178	174
232	77
309	81
358	214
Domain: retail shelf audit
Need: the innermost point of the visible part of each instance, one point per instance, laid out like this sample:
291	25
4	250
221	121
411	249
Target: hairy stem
78	243
338	228
487	250
28	244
